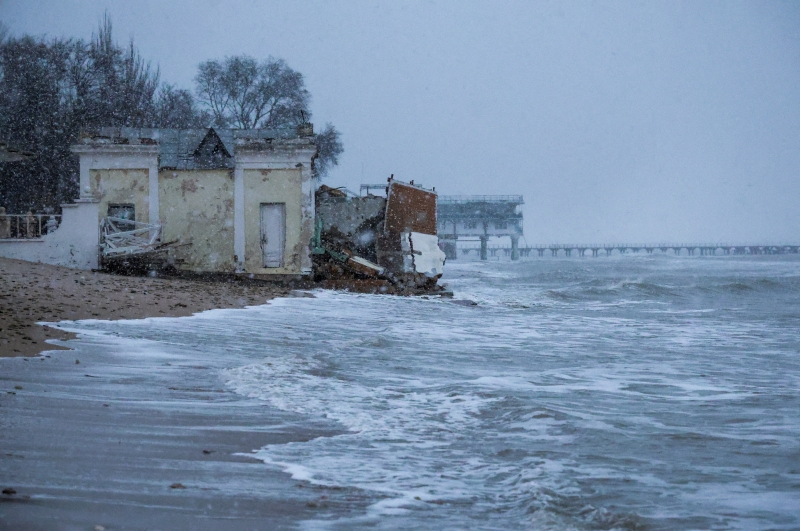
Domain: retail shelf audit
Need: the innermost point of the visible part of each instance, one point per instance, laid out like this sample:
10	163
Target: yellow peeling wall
122	187
196	207
272	186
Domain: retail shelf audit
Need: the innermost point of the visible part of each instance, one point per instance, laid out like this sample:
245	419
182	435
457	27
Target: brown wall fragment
410	209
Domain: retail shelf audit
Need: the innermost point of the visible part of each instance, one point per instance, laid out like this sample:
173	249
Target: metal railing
368	187
27	226
704	248
123	237
460	199
616	246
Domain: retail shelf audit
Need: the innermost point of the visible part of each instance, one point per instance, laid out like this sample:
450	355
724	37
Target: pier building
479	217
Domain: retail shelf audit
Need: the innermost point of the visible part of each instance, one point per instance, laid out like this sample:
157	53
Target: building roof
190	149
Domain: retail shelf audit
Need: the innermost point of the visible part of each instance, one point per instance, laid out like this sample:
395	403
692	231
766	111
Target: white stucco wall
74	244
214	210
289	164
273	186
197	211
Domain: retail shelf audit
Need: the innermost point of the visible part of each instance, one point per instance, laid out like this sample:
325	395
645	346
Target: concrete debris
422	254
391	240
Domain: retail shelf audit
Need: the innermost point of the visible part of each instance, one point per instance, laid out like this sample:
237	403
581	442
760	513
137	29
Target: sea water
633	392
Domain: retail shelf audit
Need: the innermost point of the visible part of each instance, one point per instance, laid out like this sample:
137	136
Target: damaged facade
233	202
391	238
227	201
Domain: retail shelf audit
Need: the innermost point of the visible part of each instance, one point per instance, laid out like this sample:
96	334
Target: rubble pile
389	243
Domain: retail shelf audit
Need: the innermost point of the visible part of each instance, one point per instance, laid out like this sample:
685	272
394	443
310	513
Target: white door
273	233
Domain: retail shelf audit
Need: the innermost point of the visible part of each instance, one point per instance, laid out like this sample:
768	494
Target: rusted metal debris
391	239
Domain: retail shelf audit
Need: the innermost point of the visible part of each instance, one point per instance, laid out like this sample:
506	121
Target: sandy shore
30	293
128	442
118	441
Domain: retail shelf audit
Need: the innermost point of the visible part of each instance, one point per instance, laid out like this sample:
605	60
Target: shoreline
122	441
32	292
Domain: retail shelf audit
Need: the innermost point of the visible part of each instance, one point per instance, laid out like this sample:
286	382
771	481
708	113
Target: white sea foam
571	397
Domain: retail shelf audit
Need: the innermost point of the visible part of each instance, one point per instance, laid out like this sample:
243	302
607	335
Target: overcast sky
628	121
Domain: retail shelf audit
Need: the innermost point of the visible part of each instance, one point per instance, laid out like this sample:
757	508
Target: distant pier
481	217
578	250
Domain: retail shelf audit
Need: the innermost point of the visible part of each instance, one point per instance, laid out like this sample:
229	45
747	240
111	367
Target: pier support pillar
484	247
450	248
515	247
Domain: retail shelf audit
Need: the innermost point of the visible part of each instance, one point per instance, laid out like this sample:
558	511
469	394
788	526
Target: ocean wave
747	285
625	395
605	289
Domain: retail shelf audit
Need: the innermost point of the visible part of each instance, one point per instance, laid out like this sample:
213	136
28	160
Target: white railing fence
27	226
121	237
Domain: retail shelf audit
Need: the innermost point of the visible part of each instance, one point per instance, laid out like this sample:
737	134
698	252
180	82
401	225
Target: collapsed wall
390	238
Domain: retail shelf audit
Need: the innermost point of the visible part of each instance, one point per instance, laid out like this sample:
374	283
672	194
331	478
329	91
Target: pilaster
238	216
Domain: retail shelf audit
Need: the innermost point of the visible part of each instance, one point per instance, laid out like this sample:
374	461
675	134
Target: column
153	211
238	217
515	247
86	184
484	247
309	214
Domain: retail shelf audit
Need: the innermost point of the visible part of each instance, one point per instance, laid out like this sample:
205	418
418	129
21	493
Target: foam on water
629	393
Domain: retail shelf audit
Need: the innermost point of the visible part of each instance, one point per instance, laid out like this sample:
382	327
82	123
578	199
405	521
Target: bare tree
329	147
53	89
242	92
125	84
212	91
176	108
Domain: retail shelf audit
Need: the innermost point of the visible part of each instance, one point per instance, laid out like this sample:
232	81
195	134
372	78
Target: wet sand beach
124	441
31	293
117	439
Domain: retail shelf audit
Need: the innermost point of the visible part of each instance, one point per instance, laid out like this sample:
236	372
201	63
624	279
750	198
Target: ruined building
224	200
392	239
230	201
